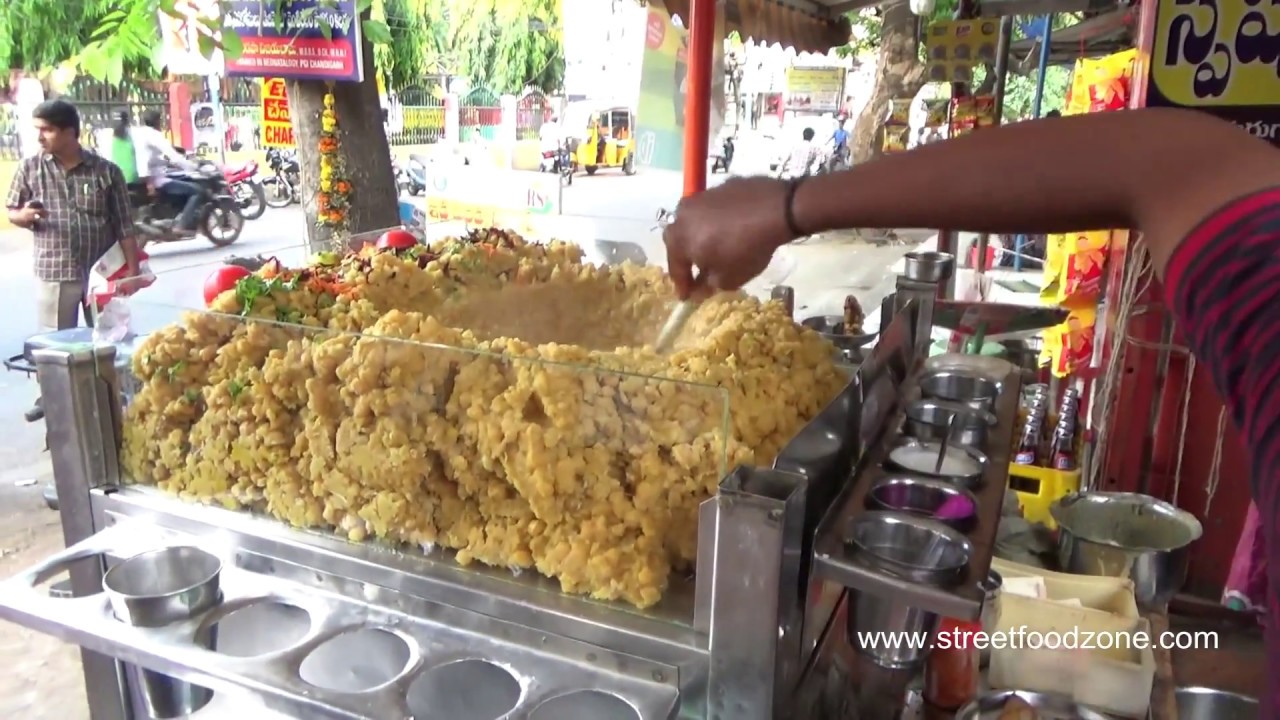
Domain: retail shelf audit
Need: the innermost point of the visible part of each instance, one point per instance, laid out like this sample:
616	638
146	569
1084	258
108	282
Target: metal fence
479	115
532	110
99	103
416	115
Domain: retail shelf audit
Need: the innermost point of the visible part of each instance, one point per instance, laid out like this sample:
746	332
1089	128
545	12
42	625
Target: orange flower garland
334	200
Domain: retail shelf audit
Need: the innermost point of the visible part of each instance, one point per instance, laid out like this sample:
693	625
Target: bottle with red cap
951	674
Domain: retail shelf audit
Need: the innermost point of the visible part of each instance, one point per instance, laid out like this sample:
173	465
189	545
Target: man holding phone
77	206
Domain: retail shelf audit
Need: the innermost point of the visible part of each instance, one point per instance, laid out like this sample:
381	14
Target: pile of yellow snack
486	394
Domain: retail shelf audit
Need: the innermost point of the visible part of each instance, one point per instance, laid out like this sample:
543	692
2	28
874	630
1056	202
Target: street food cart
177	601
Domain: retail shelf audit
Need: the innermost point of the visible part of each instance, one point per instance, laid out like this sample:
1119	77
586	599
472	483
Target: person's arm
120	215
1158	171
19	196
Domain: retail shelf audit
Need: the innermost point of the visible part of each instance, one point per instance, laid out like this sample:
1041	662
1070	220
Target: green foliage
507	45
38	35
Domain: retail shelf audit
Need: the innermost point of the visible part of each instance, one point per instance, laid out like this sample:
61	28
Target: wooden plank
1164	704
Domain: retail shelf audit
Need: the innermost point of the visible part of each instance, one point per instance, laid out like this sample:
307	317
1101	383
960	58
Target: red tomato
396	240
222	280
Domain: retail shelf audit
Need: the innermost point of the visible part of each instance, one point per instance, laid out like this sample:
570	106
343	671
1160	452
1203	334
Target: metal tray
434	636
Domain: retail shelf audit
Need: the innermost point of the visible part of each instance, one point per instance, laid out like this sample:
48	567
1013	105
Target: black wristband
789	209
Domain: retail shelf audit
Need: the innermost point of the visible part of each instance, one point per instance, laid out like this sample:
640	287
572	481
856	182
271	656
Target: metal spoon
682	312
942	449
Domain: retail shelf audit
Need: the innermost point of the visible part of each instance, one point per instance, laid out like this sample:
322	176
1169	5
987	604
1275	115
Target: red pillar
697	107
180	127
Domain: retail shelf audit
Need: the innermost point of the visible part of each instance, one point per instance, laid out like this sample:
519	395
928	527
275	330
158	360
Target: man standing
76	204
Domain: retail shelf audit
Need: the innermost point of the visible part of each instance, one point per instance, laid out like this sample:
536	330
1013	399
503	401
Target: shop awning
1101	35
806	25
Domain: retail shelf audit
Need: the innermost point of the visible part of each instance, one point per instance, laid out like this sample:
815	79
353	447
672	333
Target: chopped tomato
396	240
222	280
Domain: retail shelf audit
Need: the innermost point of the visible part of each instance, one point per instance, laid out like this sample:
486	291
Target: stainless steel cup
159	588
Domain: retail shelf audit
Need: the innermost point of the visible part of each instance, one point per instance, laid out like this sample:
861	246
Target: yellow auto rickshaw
609	142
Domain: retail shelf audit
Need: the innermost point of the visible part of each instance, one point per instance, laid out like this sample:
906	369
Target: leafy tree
507	46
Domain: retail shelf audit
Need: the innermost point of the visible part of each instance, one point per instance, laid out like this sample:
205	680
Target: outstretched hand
728	233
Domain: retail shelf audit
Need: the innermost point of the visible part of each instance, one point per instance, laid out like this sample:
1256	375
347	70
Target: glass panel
484	394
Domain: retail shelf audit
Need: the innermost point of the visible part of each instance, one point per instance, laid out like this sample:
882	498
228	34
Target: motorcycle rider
840	140
550	138
155	157
123	153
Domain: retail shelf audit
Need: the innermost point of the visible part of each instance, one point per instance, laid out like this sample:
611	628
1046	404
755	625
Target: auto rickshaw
609	142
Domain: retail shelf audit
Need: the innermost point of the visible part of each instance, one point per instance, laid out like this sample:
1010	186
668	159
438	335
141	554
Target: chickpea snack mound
492	396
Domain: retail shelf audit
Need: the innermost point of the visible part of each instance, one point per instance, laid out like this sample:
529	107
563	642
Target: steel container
940	420
964	388
929	498
990	706
1127	535
1197	703
929	267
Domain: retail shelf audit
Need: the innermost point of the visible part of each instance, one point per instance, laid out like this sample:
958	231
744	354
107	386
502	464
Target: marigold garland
334	200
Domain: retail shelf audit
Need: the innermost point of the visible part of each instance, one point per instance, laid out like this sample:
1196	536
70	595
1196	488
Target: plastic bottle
952	671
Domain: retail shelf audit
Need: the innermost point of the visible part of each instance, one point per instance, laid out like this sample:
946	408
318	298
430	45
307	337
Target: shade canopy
806	25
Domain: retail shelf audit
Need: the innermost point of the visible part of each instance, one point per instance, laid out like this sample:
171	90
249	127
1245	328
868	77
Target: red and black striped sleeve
1223	283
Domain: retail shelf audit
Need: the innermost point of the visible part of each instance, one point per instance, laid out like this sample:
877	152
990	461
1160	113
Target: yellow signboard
277	127
814	89
1222	56
954	47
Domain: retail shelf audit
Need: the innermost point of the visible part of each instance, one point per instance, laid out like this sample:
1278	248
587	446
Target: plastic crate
1038	488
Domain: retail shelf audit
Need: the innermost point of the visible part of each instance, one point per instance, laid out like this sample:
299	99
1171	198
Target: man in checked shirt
77	206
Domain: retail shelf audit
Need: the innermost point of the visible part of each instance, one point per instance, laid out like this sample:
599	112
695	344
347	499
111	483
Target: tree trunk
899	74
366	155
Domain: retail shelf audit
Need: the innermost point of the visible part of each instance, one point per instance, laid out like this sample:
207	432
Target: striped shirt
87	211
1223	283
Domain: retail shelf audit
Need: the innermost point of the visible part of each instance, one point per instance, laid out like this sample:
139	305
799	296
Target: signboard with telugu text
1222	57
277	126
314	41
491	197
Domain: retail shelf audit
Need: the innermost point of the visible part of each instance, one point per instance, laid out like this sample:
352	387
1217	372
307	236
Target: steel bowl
940	420
1048	706
910	547
870	614
929	267
991	368
919	457
1127	535
954	386
825	324
928	498
164	586
1197	703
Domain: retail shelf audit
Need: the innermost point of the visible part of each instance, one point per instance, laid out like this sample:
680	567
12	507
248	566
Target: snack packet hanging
1078	266
895	138
963	116
936	111
1068	348
899	113
984	111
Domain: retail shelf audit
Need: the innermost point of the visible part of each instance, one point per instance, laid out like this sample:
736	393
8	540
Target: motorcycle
284	186
722	159
559	161
219	217
838	158
247	189
411	179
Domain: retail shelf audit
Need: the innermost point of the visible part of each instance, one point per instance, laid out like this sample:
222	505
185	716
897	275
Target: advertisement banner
277	126
298	48
663	85
490	197
1218	56
814	89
